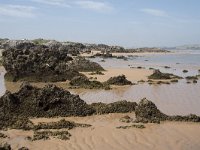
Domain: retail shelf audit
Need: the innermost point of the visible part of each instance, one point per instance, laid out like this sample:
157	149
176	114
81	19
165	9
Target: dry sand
104	135
132	74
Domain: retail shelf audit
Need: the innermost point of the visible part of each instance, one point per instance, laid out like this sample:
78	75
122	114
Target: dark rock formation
84	82
83	65
119	80
139	126
116	107
26	61
23	148
185	71
6	146
3	136
146	111
157	75
62	124
45	135
49	101
191	78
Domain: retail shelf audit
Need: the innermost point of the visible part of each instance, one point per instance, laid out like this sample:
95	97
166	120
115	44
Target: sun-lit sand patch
103	134
132	74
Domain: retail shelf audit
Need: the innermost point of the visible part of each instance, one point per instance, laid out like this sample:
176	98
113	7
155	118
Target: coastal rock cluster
119	80
146	111
27	61
115	107
84	82
158	75
49	101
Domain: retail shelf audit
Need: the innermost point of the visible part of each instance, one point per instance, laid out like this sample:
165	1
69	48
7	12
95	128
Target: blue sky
129	23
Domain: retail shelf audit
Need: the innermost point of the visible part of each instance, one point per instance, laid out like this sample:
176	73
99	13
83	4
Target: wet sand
104	135
132	74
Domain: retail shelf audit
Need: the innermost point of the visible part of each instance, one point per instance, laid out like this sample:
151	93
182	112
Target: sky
128	23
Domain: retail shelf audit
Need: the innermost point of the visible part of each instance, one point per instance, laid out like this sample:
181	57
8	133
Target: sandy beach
132	74
103	134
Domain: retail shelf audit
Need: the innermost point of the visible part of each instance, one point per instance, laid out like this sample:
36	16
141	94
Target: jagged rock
49	101
83	65
116	107
26	61
84	82
146	111
119	80
157	75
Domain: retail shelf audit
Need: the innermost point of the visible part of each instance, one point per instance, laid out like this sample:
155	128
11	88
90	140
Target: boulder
146	111
119	80
157	75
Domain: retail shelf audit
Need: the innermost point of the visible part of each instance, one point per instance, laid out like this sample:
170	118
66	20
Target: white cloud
60	3
155	12
17	11
94	5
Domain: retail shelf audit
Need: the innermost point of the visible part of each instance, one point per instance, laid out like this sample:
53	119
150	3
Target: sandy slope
131	74
103	135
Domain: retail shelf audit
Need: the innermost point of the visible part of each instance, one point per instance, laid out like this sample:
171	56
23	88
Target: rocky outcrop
84	82
115	107
26	61
119	80
146	111
49	101
83	65
157	75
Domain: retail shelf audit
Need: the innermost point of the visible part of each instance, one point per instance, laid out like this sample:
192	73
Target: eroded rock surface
27	61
